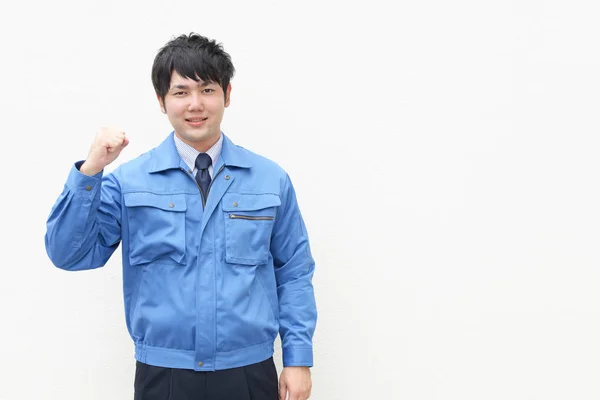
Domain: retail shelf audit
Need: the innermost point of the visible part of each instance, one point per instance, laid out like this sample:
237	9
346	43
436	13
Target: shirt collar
166	156
189	154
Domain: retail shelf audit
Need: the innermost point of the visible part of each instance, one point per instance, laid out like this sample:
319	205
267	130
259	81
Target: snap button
235	204
200	364
189	171
171	205
88	188
226	177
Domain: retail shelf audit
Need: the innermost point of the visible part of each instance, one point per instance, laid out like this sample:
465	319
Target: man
216	258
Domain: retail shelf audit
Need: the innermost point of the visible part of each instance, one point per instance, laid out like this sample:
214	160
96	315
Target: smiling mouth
196	119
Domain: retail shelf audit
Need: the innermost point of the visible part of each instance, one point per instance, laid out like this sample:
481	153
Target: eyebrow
183	86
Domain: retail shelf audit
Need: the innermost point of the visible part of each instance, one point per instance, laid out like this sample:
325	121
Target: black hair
191	56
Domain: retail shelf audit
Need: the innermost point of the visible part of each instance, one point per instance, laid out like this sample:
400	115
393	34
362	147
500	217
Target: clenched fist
107	145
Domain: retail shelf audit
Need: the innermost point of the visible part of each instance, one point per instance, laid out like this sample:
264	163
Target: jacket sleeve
84	226
294	268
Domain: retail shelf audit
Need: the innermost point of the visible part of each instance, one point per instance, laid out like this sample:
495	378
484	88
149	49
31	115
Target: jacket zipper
209	185
252	218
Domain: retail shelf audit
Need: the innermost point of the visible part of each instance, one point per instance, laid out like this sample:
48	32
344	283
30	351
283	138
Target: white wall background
445	159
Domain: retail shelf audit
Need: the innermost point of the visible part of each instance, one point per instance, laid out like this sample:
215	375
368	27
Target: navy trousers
252	382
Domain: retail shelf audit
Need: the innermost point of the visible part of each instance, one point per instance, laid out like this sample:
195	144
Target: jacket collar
165	156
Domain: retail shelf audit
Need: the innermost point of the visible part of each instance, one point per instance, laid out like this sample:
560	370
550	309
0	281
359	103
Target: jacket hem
186	359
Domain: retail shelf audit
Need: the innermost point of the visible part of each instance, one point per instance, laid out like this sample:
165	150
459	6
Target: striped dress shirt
188	154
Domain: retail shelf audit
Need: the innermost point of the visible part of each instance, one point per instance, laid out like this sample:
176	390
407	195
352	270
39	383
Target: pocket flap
249	202
167	202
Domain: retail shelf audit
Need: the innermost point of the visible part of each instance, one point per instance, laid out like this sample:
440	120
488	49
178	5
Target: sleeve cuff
298	357
82	184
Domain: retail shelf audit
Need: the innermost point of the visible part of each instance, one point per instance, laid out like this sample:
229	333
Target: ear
228	95
162	105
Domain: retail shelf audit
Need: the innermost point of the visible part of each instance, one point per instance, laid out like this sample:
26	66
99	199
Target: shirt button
171	205
226	177
88	188
200	364
235	204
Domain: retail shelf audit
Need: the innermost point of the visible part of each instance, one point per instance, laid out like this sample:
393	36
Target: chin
198	137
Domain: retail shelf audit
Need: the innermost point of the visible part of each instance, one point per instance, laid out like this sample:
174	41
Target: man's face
195	109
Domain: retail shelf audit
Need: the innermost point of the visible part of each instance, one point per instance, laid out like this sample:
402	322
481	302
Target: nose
195	103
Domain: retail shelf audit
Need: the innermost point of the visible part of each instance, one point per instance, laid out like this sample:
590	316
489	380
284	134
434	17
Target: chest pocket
249	220
156	227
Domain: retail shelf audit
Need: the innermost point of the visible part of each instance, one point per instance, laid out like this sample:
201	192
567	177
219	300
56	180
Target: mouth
195	121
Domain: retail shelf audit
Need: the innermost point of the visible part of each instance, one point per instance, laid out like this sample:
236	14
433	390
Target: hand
107	145
295	381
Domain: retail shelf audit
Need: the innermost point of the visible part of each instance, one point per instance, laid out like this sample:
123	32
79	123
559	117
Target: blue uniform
206	287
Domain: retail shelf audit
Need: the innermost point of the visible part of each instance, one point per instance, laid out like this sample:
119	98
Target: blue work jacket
205	287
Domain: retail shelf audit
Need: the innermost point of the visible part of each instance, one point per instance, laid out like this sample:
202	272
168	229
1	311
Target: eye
208	90
178	93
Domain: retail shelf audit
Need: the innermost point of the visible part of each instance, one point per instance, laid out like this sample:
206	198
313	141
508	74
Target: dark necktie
203	161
